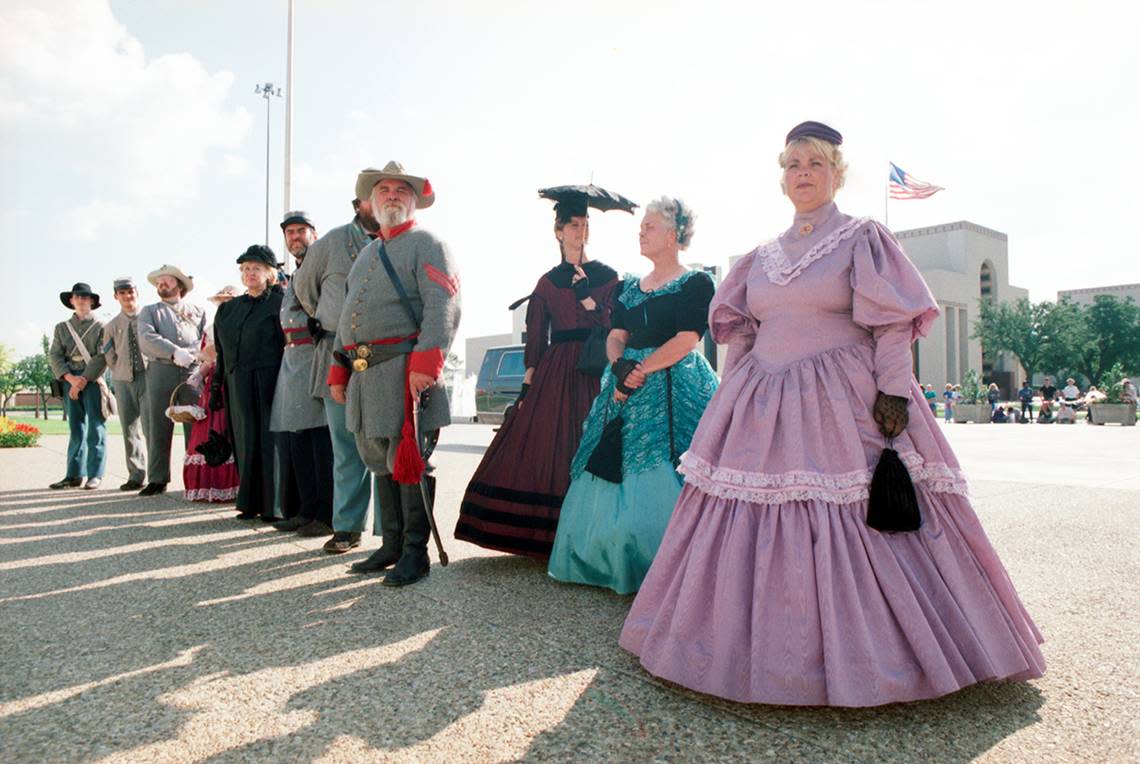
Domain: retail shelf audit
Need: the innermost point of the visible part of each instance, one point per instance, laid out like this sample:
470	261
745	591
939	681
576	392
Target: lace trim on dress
781	271
780	488
199	459
211	494
633	295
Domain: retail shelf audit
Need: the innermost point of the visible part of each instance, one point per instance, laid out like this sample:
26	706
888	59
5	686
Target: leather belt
298	336
366	354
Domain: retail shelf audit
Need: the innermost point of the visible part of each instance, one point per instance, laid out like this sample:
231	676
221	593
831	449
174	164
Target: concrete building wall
1086	296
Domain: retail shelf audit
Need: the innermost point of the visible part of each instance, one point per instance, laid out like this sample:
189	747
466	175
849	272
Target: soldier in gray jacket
394	333
76	359
320	288
297	419
124	357
170	333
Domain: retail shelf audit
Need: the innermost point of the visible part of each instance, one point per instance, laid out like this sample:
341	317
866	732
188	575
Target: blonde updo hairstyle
828	151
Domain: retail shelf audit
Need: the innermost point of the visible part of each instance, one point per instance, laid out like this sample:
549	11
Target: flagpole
887	199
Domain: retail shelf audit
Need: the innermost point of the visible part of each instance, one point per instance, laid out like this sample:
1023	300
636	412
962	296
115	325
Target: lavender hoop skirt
820	609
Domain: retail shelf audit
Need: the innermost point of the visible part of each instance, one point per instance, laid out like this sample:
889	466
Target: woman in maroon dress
514	497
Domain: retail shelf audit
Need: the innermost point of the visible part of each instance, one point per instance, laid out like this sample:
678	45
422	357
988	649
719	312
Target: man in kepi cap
76	358
320	288
124	357
170	333
398	321
298	421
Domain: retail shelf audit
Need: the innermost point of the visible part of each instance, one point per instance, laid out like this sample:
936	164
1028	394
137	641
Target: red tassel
409	466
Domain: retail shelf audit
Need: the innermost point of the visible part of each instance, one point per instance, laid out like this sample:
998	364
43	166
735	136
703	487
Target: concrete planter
1113	413
978	413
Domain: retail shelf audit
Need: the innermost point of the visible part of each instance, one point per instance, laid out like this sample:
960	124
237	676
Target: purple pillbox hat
815	130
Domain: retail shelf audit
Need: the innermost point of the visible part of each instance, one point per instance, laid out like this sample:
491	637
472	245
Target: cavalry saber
417	404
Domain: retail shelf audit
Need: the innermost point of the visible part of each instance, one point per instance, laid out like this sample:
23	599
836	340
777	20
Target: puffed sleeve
730	320
537	326
693	304
893	301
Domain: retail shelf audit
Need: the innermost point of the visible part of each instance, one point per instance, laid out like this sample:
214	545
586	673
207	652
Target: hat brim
367	180
65	298
175	274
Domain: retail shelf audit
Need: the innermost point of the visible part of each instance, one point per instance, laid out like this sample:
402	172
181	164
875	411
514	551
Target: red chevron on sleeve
449	283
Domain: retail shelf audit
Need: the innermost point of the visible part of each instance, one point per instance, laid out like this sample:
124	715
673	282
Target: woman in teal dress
659	385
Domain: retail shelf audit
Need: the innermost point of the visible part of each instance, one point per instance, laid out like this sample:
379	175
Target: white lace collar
781	271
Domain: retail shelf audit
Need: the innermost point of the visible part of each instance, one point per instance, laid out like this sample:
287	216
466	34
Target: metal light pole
267	91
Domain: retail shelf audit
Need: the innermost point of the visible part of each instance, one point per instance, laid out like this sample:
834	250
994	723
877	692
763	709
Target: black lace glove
522	393
622	368
890	414
315	329
217	398
582	288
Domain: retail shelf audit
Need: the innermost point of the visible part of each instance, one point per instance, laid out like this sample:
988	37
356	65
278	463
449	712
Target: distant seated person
1094	396
1127	391
1011	414
1071	392
1045	415
1065	412
999	416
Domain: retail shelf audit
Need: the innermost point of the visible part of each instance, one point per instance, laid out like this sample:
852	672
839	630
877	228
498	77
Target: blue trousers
87	446
352	489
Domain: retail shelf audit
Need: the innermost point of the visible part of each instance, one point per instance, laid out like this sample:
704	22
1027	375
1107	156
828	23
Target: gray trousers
134	417
378	454
161	379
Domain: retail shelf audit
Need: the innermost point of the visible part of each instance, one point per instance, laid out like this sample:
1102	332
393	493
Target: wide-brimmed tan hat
370	176
170	270
225	293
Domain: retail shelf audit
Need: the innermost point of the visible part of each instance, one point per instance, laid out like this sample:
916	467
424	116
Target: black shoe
341	542
153	489
67	483
292	524
412	566
131	485
382	558
315	529
243	515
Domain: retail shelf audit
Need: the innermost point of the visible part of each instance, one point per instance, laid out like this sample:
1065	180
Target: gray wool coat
372	310
163	328
320	288
294	407
116	344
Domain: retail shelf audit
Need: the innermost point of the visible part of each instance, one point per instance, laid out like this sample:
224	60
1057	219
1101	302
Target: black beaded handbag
593	360
605	461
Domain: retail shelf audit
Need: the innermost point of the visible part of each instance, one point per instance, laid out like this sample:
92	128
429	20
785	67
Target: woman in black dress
250	343
513	499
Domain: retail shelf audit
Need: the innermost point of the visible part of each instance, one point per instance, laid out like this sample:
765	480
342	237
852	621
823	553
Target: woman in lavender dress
769	587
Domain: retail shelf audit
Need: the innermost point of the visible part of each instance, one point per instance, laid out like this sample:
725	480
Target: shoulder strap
78	342
399	285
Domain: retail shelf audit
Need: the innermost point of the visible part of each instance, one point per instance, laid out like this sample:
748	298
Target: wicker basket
182	417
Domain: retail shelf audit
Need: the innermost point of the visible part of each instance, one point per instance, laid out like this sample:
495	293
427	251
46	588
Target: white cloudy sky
130	134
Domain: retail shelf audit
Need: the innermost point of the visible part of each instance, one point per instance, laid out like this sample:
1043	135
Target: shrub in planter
1113	410
17	434
972	407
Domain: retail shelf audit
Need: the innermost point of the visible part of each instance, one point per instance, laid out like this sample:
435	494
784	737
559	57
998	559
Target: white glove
183	357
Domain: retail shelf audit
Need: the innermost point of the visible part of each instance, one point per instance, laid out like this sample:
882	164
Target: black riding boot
413	563
391	527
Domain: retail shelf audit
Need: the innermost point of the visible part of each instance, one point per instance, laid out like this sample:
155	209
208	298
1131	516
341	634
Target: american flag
906	186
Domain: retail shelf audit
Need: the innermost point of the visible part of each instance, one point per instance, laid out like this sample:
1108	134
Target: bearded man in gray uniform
170	332
297	417
124	356
398	322
320	288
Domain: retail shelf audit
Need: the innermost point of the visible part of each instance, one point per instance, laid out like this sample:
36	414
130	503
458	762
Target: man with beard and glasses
170	333
124	356
297	417
320	289
399	319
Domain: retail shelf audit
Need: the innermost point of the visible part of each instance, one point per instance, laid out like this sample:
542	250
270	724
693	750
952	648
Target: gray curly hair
678	216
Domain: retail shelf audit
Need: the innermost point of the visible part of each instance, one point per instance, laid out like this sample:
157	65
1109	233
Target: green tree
1097	337
1028	330
9	381
35	373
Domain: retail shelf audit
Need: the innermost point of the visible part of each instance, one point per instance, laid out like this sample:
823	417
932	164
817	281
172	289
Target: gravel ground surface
143	630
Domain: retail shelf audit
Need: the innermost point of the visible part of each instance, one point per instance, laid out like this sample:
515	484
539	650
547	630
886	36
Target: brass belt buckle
360	364
363	351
